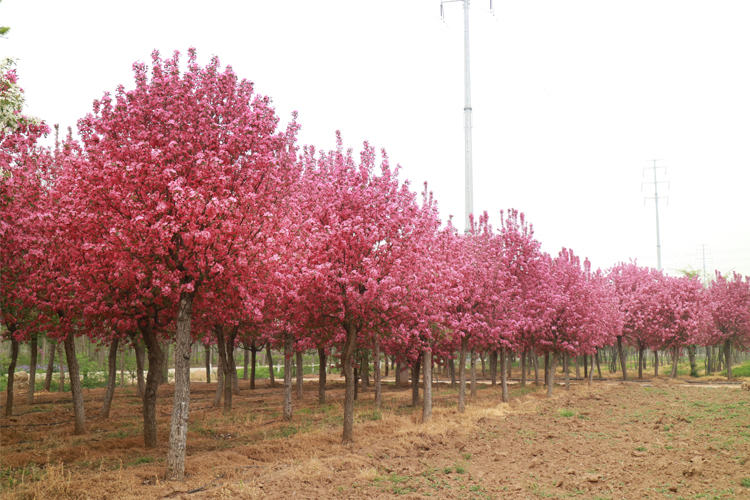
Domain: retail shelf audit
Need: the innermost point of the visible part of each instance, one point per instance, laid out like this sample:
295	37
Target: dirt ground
658	439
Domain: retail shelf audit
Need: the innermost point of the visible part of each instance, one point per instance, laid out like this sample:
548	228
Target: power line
656	200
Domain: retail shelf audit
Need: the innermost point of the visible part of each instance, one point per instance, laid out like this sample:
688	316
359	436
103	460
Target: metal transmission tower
469	176
656	200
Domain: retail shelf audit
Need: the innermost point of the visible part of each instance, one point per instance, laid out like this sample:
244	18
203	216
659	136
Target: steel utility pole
656	200
469	175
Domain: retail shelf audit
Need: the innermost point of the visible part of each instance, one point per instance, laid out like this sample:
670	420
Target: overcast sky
571	100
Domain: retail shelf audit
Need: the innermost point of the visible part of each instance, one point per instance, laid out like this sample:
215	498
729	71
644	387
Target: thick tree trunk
50	365
153	350
322	375
397	371
75	386
566	369
11	374
300	374
415	383
728	357
346	361
623	361
219	383
675	357
523	368
288	361
181	409
551	373
427	403
473	373
112	365
462	374
493	367
376	374
207	361
504	373
272	382
33	351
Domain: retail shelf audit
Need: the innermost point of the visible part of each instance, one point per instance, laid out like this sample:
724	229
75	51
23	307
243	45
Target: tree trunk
122	370
322	375
272	382
397	370
11	374
246	363
452	370
233	360
75	386
675	357
207	361
181	409
504	374
50	365
586	366
153	350
225	347
219	383
546	368
140	357
640	361
473	373
578	368
61	386
591	371
535	359
462	374
623	361
523	368
415	383
493	367
598	366
111	381
551	372
346	362
481	359
288	353
427	403
709	359
728	357
365	370
253	352
300	374
33	351
376	374
566	367
165	364
656	362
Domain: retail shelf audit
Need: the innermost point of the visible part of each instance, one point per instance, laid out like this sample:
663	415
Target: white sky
570	100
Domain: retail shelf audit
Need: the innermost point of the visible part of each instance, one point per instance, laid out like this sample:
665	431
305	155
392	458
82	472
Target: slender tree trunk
253	352
591	371
225	347
523	368
728	357
50	365
181	409
356	381
493	367
427	403
322	375
288	353
535	359
111	381
207	361
140	358
376	374
598	366
75	386
623	361
481	359
693	365
415	383
33	351
675	357
656	362
586	366
709	359
552	358
462	374
473	373
61	387
546	368
640	361
365	370
397	384
11	374
300	374
578	368
122	369
246	363
566	367
270	367
153	350
231	351
346	360
504	373
452	370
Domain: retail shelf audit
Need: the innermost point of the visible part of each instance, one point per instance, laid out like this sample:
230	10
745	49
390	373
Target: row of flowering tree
182	213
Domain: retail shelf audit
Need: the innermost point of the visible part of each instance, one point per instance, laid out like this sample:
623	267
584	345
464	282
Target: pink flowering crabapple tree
185	172
729	305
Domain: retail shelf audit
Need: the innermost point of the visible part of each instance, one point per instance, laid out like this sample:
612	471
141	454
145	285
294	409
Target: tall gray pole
704	265
469	180
658	241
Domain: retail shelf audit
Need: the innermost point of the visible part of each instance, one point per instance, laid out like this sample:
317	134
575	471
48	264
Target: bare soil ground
658	439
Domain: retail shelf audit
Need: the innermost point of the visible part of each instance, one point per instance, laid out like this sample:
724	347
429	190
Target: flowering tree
730	311
184	174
